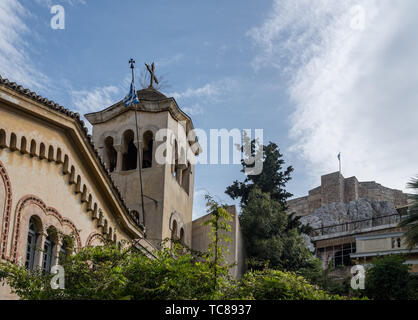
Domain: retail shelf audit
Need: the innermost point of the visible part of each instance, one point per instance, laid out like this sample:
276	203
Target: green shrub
279	285
388	278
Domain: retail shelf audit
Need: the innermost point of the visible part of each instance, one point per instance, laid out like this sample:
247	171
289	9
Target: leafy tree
271	284
293	222
388	278
265	227
111	273
411	221
272	179
219	223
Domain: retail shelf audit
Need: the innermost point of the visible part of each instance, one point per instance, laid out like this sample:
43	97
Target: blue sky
298	69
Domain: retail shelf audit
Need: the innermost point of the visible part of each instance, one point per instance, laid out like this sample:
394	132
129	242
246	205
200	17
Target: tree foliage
272	179
271	284
411	221
388	278
269	236
105	273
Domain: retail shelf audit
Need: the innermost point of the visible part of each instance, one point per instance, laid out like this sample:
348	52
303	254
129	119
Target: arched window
174	232
147	152
49	246
130	155
185	181
182	236
31	244
64	250
111	155
175	165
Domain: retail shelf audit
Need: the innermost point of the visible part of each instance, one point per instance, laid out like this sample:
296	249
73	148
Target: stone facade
340	210
200	242
335	188
167	187
53	183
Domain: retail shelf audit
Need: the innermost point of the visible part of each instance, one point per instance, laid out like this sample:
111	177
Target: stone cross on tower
152	75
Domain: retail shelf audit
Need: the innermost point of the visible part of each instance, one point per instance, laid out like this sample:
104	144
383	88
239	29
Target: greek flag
339	156
132	97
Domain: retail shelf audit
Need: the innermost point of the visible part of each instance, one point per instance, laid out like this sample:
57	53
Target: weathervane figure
153	78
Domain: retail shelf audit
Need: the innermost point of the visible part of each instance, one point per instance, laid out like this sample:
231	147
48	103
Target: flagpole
339	160
138	150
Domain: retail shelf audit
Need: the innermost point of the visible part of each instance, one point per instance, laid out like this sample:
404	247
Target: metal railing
357	225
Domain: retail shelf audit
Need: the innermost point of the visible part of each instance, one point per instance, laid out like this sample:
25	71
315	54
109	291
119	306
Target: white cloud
163	62
193	110
354	91
212	90
50	3
95	99
195	98
207	90
15	62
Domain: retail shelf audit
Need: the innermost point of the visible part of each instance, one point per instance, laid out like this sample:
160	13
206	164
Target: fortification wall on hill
335	188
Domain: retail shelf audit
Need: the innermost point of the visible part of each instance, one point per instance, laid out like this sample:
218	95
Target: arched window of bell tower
111	154
148	140
130	154
175	165
185	182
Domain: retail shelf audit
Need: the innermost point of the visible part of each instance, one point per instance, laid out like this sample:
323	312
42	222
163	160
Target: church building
59	182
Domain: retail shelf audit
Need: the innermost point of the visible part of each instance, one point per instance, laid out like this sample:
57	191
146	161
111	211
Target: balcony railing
357	225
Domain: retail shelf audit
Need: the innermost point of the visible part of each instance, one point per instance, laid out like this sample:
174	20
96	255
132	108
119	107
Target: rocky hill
361	209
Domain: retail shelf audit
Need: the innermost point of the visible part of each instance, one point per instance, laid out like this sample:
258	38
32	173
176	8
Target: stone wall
335	188
201	241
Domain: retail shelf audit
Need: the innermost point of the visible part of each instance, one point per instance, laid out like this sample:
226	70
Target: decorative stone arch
23	145
32	148
148	148
110	154
151	128
129	150
120	134
7	209
176	217
59	156
13	142
44	213
3	138
51	153
95	236
42	151
113	134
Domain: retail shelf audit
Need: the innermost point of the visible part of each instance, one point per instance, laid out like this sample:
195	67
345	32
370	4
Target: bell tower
168	187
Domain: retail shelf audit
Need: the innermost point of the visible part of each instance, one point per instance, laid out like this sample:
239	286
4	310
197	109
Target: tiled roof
74	115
